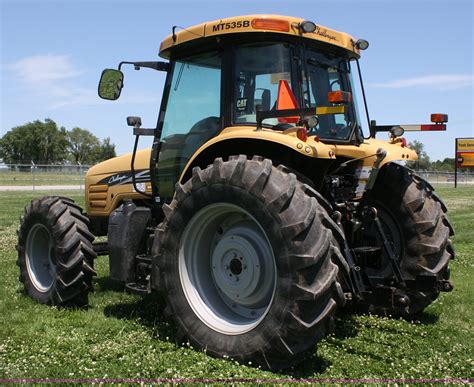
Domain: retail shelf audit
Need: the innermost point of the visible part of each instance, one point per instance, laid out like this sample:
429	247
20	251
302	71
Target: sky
420	59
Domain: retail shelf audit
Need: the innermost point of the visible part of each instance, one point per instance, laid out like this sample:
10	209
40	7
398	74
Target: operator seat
201	132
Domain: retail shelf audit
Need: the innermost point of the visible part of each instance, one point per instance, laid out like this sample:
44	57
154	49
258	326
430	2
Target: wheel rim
227	268
39	263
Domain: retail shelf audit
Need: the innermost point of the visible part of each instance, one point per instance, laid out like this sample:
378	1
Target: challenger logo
126	178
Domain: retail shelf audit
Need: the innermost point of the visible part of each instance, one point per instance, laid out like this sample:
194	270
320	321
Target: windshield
259	68
325	73
266	72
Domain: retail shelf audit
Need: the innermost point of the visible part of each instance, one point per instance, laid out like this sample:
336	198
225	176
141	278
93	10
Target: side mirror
110	84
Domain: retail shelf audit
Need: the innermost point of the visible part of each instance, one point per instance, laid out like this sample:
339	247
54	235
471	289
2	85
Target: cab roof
286	25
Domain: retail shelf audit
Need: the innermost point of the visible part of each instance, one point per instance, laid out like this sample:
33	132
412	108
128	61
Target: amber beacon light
439	118
271	24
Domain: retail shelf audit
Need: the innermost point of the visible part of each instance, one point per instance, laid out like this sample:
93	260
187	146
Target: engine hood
121	164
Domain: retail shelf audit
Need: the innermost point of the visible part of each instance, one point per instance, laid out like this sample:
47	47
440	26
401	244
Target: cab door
192	116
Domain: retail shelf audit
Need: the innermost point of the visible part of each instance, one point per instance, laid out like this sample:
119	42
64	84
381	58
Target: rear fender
280	146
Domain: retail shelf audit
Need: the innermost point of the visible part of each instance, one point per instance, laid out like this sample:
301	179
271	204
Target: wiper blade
180	73
315	62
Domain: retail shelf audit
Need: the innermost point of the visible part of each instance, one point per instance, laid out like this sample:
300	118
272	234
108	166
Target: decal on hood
126	178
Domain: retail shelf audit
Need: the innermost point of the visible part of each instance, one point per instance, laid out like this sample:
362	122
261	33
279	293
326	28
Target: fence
446	179
41	176
35	177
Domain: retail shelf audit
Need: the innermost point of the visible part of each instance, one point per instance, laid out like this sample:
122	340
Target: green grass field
40	178
126	336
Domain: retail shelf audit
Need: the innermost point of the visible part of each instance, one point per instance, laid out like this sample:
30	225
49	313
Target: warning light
339	96
439	118
302	134
271	24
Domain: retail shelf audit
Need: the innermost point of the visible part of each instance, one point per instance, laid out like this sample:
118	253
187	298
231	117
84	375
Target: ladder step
101	248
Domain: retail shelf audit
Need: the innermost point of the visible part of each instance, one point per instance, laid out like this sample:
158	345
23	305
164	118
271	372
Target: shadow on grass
425	318
147	311
102	284
346	327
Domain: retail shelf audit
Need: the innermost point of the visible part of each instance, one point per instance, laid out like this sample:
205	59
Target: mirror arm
143	132
158	66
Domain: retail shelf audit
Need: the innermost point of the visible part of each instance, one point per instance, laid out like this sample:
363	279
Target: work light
307	26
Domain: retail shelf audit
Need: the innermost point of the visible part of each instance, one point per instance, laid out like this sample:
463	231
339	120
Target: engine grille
98	196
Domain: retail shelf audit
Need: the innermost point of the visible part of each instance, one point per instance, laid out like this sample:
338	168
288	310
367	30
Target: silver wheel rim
41	269
227	268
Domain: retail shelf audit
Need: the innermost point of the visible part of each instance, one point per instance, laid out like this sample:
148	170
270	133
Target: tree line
424	162
46	143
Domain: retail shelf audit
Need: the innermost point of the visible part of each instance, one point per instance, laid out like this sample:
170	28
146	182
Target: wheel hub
236	268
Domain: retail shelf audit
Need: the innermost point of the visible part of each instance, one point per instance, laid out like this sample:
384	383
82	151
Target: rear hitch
389	297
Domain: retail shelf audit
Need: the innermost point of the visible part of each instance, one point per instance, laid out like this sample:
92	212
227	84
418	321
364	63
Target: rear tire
55	252
415	219
275	315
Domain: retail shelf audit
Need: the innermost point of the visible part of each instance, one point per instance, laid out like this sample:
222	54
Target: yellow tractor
261	206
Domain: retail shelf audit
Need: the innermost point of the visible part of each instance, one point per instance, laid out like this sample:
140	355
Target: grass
40	178
126	336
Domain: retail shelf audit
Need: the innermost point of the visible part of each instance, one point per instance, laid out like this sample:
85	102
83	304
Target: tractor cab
258	72
231	84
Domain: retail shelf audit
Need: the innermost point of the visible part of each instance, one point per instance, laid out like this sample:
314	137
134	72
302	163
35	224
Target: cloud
57	81
440	81
54	79
45	68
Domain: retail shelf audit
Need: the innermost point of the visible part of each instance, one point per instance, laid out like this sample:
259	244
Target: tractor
261	207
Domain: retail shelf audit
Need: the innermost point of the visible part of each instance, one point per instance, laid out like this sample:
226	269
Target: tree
423	161
106	150
446	165
82	145
41	142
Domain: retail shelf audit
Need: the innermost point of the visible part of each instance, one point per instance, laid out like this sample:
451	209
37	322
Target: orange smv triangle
286	100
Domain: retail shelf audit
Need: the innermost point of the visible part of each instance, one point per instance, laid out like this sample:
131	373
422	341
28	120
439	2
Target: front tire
55	252
249	263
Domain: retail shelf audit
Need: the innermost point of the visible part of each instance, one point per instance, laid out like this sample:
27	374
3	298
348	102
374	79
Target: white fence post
33	167
80	175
